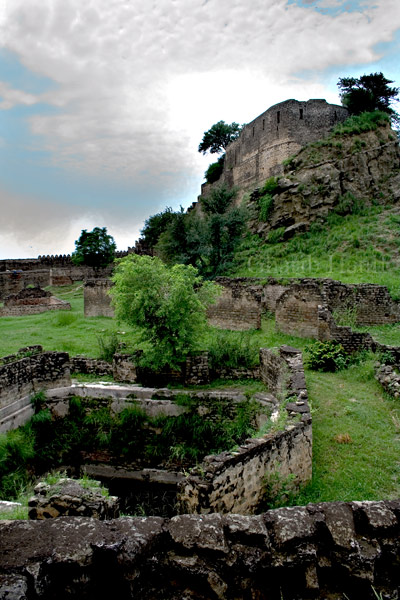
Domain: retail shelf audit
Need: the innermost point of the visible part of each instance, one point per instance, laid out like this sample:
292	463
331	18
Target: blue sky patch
19	77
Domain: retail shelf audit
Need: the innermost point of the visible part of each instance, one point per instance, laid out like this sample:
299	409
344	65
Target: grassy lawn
66	331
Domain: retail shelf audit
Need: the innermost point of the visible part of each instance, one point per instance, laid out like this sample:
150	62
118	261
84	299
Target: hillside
335	213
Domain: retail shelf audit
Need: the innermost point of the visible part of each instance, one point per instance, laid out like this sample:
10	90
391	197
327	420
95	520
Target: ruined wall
236	481
238	307
26	376
295	301
97	301
13	282
31	301
317	552
274	136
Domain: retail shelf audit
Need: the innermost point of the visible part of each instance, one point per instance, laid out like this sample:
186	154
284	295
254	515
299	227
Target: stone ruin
31	301
72	498
322	551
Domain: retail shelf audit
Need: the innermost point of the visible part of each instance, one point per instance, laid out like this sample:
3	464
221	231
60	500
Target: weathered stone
69	497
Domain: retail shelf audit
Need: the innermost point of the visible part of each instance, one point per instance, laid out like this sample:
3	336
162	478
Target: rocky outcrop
322	551
340	174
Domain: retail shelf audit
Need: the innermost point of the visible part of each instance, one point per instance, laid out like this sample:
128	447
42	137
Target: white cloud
10	97
119	63
137	83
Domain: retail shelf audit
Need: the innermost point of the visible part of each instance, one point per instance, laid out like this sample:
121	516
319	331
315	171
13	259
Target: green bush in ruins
167	304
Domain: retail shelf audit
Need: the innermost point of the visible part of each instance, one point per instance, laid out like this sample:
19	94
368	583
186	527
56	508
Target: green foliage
270	186
167	304
276	235
155	225
326	356
367	93
215	170
16	451
265	206
217	138
94	248
108	345
277	490
64	318
349	204
219	200
356	124
232	349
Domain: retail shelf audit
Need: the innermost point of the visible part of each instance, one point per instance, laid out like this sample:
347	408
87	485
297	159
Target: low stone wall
69	497
90	366
31	301
97	301
23	377
237	481
333	550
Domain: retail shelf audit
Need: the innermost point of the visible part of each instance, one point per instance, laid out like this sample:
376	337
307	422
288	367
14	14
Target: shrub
64	318
326	356
265	206
275	235
215	170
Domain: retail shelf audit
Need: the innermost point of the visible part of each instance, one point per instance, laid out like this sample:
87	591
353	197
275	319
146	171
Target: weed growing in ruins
326	356
277	490
346	317
108	345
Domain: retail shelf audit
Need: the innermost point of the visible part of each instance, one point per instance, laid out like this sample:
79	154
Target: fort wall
272	137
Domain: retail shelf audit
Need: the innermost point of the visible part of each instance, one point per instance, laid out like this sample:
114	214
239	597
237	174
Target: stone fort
273	137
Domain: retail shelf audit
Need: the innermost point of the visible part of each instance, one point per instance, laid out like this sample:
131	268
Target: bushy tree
167	304
155	225
94	248
215	170
216	139
367	93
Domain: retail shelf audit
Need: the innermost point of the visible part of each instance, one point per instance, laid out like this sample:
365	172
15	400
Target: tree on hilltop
367	94
95	248
216	139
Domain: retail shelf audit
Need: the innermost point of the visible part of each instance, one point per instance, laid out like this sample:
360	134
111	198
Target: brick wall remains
97	301
239	306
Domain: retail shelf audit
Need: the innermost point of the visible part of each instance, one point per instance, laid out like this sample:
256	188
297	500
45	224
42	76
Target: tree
167	304
367	94
155	225
218	137
94	248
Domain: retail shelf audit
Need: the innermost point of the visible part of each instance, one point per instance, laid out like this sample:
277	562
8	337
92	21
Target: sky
103	103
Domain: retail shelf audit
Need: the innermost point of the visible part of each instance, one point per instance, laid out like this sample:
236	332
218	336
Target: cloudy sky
103	103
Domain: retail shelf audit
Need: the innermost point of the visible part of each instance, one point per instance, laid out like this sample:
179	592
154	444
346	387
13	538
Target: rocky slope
342	173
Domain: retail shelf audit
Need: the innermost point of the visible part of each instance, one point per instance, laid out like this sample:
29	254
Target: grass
61	331
356	437
356	248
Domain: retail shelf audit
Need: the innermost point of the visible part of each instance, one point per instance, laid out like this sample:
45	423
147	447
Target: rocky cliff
342	173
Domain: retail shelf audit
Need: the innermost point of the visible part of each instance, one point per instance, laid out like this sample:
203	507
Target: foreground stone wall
321	551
